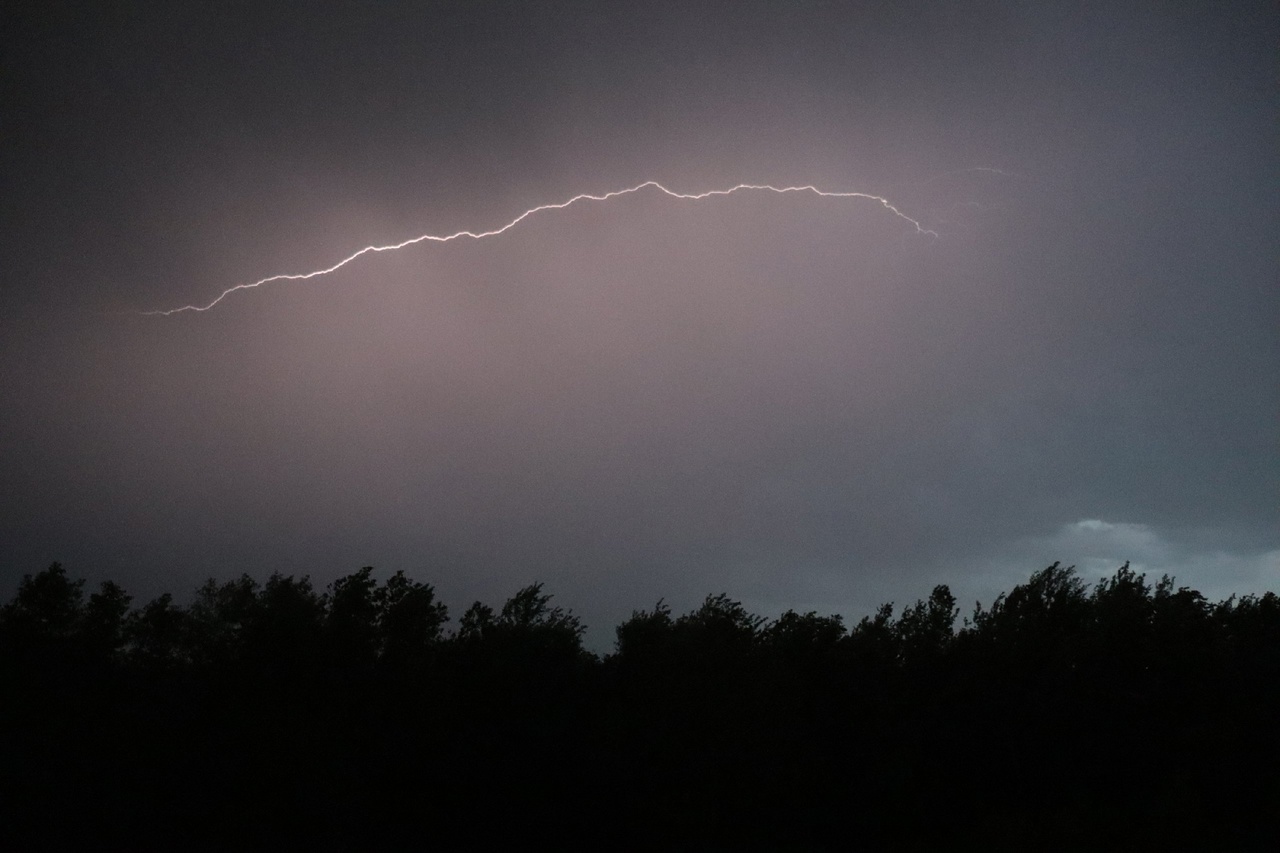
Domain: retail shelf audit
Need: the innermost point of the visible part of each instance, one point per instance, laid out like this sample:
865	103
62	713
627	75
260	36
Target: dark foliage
274	716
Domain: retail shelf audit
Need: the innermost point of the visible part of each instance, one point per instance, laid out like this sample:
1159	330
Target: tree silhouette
104	621
41	621
351	620
924	630
221	617
158	634
796	636
477	623
410	620
270	715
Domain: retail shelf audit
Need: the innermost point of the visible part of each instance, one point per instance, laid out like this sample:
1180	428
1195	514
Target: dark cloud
796	399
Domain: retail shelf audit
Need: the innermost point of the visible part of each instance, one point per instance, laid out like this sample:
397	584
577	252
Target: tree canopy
267	714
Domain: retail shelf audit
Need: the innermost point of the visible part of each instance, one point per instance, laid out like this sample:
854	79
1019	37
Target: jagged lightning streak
433	238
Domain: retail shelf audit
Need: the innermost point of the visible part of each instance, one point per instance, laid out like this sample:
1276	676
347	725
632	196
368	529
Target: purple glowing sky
796	399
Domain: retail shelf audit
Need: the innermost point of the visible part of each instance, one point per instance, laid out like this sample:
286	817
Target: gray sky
797	400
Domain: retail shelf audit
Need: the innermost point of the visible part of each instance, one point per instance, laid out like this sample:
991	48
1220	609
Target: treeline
278	716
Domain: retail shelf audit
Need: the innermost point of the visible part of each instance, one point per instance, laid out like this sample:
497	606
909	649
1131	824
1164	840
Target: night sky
801	401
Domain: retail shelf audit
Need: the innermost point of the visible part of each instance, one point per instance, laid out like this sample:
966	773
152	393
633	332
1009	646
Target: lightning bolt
434	238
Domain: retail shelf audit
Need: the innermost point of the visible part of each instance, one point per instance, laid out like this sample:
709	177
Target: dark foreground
273	717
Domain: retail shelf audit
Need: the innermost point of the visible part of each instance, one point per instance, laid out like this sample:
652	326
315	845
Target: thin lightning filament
434	238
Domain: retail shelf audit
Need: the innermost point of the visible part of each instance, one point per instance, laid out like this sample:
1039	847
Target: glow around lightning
435	238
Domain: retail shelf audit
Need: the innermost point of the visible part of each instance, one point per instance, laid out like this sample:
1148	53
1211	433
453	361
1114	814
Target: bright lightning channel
434	238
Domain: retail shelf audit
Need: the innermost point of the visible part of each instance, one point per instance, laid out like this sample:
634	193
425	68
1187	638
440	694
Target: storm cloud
798	400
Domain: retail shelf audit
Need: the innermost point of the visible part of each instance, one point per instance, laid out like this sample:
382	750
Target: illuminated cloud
789	397
1205	560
